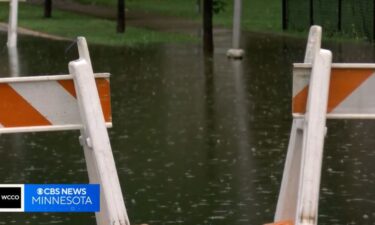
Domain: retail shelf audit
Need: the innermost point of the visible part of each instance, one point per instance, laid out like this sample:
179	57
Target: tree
47	8
208	44
209	8
219	6
121	16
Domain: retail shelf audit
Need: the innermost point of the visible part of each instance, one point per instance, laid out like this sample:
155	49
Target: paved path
148	20
143	19
20	30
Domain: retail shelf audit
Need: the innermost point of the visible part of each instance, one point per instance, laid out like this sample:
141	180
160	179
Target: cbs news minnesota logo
50	198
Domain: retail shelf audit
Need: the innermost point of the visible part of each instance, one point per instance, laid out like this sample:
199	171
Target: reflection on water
13	61
196	140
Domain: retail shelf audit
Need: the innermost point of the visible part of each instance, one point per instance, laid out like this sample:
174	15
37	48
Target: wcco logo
11	198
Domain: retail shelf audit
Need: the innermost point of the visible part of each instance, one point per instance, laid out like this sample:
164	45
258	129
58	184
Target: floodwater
196	141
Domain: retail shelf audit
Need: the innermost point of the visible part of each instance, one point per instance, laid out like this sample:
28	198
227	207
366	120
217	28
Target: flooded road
196	141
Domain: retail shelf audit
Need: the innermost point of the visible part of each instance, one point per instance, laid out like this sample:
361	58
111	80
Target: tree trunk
339	15
312	12
121	16
285	14
208	44
47	8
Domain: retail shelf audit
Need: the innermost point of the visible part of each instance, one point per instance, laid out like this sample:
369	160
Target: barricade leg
287	203
98	153
299	194
313	141
288	197
313	44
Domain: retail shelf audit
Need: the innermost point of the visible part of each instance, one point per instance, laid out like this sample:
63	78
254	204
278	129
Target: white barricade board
351	91
46	103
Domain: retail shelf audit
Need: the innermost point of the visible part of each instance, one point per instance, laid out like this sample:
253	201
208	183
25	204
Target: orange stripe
68	85
105	98
15	111
288	222
103	91
299	101
343	83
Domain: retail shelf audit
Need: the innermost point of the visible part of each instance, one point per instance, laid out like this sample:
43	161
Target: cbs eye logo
40	191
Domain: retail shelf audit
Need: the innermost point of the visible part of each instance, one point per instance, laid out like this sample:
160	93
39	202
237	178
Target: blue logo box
62	198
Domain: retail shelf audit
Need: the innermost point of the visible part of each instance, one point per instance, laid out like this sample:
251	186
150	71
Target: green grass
182	8
259	15
99	31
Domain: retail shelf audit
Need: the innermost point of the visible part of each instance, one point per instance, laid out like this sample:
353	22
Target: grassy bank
258	15
263	15
99	31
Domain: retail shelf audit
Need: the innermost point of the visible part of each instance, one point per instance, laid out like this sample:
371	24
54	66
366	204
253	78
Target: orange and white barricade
46	103
321	90
81	101
349	87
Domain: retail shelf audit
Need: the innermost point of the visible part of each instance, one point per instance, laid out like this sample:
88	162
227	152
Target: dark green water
195	141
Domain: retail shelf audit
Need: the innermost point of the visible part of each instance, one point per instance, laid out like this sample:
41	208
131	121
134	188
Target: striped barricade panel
288	222
46	103
351	91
